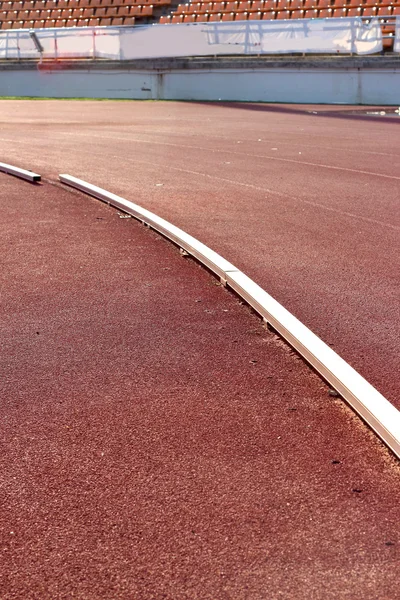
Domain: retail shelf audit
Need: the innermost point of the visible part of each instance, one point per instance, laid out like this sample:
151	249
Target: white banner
305	36
396	45
337	36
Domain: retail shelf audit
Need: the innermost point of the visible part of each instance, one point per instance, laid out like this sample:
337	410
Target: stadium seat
244	6
255	16
325	13
296	14
354	11
269	15
339	12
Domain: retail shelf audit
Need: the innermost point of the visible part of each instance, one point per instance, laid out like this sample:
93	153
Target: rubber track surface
157	441
303	199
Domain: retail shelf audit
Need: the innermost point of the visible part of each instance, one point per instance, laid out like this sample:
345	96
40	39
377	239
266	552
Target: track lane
157	440
325	244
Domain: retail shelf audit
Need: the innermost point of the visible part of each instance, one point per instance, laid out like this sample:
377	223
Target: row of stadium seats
48	23
278	9
71	4
74	13
77	13
251	5
280	14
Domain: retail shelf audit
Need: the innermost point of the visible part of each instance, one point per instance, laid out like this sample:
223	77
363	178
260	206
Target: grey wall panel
380	86
307	85
286	85
75	84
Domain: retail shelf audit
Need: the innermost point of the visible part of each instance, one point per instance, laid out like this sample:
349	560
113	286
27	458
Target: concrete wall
318	84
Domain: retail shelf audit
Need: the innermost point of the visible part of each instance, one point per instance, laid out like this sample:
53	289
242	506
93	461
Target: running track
307	205
157	442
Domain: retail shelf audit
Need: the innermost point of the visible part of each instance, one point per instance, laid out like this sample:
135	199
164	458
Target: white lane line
272	192
250	155
276	142
21	173
246	185
373	408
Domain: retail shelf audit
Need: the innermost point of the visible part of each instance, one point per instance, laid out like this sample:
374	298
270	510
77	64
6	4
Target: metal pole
94	43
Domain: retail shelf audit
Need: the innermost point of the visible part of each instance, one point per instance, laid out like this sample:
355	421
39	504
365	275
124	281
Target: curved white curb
21	173
378	412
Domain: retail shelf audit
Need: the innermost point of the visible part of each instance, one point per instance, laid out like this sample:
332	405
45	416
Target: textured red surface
156	441
303	199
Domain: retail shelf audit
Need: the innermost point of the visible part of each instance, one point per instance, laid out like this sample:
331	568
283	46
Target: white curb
374	408
21	173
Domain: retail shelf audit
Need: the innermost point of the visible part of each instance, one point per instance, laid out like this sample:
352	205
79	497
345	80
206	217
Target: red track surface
305	204
157	442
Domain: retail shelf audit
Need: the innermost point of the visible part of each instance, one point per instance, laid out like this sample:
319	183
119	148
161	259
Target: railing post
94	44
120	45
352	36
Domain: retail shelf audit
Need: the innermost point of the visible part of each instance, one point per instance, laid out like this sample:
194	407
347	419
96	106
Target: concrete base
320	80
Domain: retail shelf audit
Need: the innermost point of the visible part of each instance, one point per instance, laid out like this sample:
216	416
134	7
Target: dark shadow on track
334	112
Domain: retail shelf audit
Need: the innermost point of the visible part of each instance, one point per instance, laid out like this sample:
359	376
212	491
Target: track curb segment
366	401
21	173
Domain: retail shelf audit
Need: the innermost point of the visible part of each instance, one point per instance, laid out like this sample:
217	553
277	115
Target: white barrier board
66	42
253	37
326	36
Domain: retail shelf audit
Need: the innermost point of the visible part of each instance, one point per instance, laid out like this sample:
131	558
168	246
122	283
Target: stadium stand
27	14
279	9
253	10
